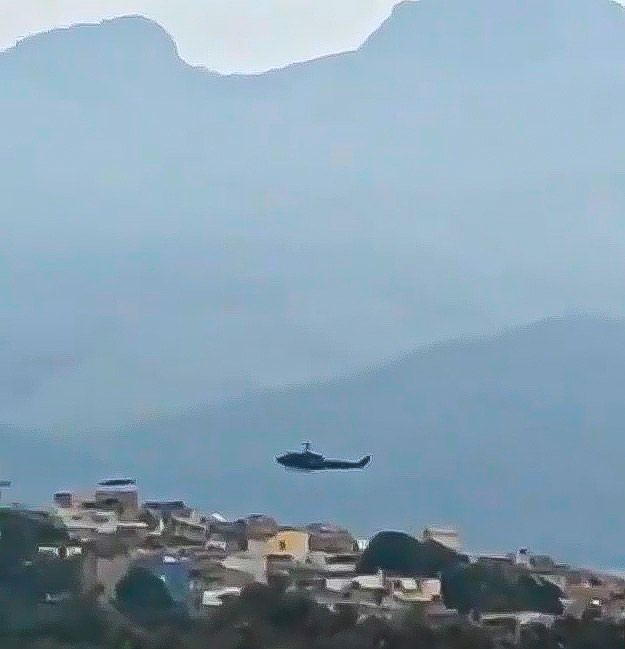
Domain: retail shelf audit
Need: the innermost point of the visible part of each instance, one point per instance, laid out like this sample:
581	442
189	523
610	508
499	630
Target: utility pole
3	485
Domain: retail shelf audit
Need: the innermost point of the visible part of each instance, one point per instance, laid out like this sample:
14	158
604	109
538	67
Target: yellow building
288	543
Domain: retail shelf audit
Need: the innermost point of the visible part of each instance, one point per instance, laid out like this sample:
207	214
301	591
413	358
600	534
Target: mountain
514	438
172	236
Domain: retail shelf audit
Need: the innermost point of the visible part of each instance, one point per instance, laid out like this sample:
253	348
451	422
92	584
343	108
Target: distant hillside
171	236
37	465
516	438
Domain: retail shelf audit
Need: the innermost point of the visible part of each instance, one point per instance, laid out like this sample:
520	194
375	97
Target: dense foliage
465	587
264	618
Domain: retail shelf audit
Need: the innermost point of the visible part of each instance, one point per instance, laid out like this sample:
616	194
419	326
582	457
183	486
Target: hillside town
148	561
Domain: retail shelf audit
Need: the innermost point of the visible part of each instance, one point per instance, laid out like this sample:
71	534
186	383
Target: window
48	550
341	558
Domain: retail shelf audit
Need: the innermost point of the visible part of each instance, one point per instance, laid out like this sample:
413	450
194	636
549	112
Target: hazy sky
224	35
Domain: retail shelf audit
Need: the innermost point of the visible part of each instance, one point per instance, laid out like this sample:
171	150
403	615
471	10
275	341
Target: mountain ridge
179	233
485	25
103	36
392	10
483	16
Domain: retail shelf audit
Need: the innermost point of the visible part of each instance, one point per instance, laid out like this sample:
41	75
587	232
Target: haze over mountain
37	465
517	439
171	236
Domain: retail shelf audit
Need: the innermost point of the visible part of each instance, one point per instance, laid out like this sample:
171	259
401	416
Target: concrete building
233	535
407	590
64	499
330	538
215	597
163	509
259	527
110	570
493	559
414	590
382	596
74	499
289	542
85	525
332	564
447	537
510	627
251	564
362	544
186	530
119	495
111	509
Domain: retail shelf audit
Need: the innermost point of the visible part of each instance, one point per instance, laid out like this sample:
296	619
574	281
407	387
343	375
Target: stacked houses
107	540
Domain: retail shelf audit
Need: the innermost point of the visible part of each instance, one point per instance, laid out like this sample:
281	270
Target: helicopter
307	460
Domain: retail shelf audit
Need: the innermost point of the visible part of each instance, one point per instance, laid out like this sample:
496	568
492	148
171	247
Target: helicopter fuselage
308	461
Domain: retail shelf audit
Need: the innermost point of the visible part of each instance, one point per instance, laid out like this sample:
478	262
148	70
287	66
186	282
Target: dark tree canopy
400	553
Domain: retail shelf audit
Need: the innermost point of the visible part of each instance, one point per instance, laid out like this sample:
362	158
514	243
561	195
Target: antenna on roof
306	446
